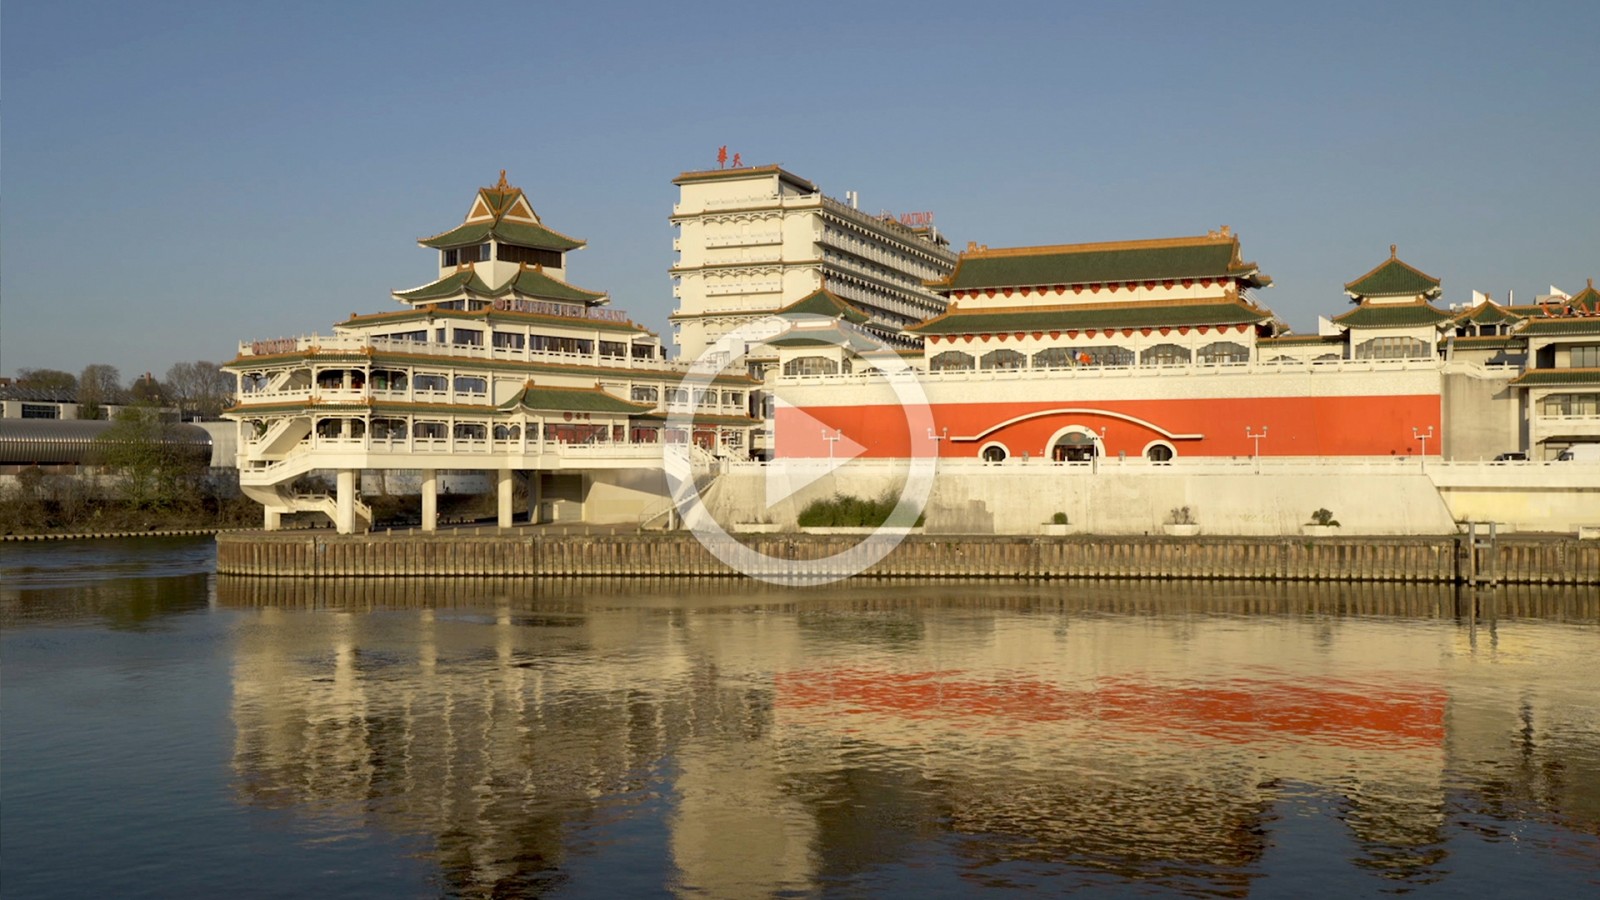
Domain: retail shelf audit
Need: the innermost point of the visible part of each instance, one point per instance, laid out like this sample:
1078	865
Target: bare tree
199	388
98	385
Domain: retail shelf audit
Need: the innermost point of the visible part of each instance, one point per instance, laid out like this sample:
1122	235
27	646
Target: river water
168	733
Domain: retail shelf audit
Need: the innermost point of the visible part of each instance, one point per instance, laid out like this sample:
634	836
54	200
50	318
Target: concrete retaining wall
1437	560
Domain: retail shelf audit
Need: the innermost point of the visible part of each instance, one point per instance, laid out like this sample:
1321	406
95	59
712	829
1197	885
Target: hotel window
471	384
811	365
507	340
1053	358
1164	355
951	361
428	430
533	256
388	429
1571	405
1004	359
420	337
643	393
1393	347
1586	356
436	383
465	337
386	380
1104	355
613	348
1224	353
732	398
470	431
507	432
457	256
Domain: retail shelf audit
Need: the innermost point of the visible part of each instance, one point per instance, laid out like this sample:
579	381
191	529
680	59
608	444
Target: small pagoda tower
1394	316
500	255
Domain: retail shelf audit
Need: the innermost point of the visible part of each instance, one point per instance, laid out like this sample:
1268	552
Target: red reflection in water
1238	710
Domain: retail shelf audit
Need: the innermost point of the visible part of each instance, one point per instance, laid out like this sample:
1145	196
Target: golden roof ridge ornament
502	185
1393	250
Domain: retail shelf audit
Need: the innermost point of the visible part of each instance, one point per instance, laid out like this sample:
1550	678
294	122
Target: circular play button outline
678	464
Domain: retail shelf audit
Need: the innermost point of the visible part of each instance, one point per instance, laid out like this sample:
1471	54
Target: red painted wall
1296	426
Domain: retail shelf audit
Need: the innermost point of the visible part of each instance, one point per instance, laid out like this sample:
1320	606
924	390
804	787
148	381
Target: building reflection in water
1089	733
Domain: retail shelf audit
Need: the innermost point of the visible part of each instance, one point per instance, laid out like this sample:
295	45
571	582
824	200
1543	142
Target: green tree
98	386
153	470
47	379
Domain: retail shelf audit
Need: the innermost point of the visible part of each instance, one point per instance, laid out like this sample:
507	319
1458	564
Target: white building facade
754	240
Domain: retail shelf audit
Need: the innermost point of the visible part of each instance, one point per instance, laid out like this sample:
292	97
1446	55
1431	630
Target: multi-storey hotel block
498	365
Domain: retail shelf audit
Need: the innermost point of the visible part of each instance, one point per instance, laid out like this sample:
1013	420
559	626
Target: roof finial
502	185
1225	231
1392	249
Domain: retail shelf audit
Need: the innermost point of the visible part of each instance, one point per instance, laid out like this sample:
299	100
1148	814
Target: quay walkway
601	552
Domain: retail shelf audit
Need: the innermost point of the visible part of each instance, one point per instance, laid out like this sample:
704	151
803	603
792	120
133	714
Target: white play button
805	449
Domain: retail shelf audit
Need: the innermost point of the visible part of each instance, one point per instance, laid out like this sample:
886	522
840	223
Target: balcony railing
361	344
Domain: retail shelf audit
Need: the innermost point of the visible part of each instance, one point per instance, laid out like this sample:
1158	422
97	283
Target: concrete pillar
534	496
430	499
345	502
273	520
507	489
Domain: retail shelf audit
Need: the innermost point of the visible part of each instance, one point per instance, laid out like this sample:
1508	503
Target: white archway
1074	443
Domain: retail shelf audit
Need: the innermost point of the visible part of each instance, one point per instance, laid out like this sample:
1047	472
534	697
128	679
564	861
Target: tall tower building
754	240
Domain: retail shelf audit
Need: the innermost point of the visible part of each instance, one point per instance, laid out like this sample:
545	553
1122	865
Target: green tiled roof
1391	315
499	200
530	282
1487	313
1543	325
1128	261
1556	377
1058	318
1393	278
1301	339
1588	299
522	234
823	302
706	419
574	400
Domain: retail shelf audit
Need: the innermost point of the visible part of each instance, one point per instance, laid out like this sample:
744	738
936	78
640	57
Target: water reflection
877	737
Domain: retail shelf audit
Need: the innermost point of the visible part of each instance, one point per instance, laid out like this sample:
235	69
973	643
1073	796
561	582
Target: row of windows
1217	353
1571	405
506	252
1586	356
513	340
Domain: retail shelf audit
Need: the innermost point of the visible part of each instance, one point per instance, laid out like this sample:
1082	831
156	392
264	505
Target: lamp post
831	440
1256	457
1422	436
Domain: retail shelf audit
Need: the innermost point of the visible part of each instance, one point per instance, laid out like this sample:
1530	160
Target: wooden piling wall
1541	560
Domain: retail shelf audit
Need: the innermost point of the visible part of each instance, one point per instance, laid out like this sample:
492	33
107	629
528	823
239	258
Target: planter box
1181	530
756	527
1053	530
1319	530
859	530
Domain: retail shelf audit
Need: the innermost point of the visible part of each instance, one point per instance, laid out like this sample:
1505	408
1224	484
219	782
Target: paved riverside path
586	551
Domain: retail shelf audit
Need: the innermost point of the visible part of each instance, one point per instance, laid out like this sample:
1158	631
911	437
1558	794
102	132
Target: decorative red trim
1165	331
1088	332
1145	332
1036	335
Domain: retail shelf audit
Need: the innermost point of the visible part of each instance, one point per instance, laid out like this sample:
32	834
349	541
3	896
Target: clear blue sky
180	176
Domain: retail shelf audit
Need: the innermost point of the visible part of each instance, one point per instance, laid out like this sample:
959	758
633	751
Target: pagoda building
499	365
1154	348
1394	316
